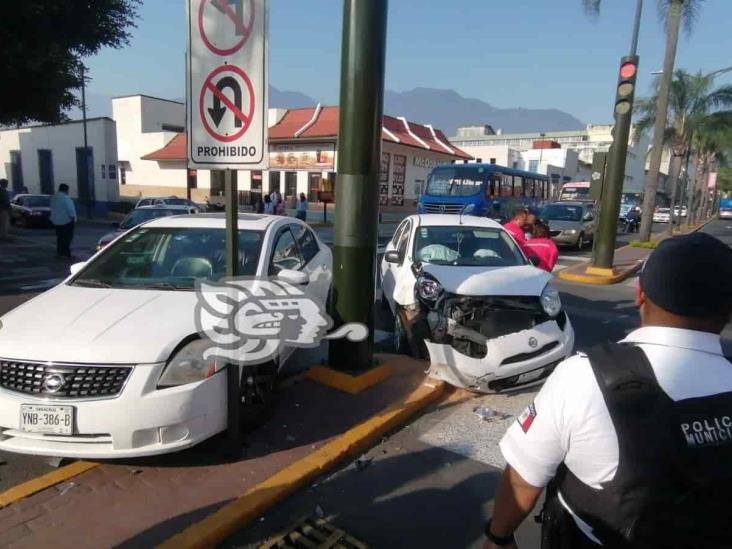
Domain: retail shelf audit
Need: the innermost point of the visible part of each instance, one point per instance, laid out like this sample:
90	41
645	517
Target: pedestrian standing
516	226
529	226
280	208
634	440
268	205
543	247
63	217
4	209
259	206
302	207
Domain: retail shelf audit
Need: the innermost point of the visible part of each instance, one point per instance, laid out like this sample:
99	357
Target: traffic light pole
357	190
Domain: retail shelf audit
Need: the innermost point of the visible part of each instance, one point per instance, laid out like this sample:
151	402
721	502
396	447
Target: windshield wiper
165	286
91	283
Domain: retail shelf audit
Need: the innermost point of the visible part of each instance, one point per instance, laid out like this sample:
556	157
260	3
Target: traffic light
626	85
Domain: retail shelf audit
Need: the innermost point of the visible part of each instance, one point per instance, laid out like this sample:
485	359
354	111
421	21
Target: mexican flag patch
526	418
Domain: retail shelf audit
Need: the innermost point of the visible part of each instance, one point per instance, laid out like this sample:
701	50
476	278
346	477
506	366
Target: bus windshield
453	182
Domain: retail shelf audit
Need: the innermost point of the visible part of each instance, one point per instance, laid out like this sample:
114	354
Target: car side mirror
392	256
76	267
291	276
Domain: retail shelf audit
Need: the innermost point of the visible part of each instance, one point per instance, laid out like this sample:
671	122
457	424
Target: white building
42	157
302	157
594	138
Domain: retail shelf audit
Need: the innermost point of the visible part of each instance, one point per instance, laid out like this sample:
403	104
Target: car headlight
428	288
570	231
467	210
550	301
420	208
188	365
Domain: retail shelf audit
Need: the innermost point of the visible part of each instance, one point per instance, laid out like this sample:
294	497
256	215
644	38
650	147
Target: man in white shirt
637	435
63	217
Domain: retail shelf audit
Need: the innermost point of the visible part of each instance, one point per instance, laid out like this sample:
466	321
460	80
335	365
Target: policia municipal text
632	441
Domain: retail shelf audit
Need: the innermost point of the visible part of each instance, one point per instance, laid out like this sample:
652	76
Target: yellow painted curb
600	271
38	484
233	516
346	382
600	280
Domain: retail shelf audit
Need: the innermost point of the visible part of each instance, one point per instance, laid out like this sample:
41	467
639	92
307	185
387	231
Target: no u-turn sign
227	84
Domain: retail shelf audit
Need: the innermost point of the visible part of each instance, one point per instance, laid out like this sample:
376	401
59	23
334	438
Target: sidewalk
141	503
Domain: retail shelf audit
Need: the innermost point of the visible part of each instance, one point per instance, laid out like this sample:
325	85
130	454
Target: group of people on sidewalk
533	237
273	204
63	216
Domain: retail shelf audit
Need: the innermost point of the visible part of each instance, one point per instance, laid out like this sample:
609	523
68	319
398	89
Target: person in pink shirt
516	226
543	247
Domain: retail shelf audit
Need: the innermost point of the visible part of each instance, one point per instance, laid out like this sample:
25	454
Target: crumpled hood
489	281
98	325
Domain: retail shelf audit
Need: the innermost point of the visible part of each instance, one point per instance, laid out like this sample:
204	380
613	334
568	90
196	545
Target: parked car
662	215
683	211
108	364
463	293
137	216
571	223
171	201
725	208
30	210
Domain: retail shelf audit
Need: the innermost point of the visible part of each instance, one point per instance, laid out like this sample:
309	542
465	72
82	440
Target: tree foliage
42	48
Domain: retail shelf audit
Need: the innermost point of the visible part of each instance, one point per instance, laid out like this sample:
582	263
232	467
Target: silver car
571	223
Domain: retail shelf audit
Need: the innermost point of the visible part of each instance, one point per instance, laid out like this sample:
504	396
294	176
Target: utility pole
87	165
363	54
604	249
232	222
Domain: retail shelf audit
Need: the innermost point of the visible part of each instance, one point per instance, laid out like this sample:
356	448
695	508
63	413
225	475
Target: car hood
98	325
564	225
482	281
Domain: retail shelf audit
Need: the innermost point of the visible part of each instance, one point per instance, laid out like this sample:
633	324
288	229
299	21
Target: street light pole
363	57
603	251
87	166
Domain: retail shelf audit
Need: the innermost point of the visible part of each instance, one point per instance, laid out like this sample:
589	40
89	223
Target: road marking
35	485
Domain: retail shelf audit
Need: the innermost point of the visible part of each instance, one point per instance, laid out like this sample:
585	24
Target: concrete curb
570	274
346	382
38	484
233	516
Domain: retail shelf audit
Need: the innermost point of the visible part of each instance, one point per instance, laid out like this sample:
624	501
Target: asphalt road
432	483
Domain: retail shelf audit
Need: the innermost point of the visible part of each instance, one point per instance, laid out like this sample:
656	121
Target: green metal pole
357	190
232	223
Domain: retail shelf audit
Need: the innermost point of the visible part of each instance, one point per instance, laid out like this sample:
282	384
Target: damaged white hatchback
463	292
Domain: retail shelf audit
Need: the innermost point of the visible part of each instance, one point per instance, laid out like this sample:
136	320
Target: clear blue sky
527	53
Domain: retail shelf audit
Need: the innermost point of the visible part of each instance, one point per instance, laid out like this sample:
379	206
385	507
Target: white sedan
105	365
662	215
462	292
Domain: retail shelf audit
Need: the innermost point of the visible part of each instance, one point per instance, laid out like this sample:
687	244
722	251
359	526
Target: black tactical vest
673	485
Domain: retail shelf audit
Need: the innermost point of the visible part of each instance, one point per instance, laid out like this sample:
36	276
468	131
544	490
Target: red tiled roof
325	125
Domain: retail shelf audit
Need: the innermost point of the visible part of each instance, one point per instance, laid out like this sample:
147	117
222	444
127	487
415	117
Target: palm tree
713	143
694	107
672	12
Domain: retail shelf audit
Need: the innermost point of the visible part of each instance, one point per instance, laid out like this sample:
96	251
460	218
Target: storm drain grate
312	533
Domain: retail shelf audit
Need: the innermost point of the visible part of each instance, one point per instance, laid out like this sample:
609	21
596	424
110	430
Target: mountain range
444	109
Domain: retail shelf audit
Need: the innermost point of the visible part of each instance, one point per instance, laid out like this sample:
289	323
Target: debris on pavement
362	462
489	414
64	488
319	511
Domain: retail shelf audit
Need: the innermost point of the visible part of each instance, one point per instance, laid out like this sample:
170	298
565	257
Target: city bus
574	191
482	189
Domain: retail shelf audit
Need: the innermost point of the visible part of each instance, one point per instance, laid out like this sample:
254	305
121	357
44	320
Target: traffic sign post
227	84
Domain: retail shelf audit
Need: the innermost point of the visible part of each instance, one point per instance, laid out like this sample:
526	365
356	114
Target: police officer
634	440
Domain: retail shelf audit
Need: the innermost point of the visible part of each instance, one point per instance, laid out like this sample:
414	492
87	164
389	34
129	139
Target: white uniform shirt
569	421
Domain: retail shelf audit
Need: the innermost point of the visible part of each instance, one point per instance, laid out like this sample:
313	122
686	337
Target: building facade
40	158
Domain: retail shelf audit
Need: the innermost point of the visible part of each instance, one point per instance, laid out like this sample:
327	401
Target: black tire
580	241
401	336
258	394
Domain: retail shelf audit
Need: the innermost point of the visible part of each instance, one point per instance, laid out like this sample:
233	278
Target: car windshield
168	258
455	182
36	201
663	210
575	193
467	246
556	212
135	217
176	201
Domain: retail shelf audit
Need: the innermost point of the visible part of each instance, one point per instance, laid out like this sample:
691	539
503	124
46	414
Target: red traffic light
627	70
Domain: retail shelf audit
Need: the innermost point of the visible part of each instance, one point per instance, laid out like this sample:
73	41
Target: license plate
530	376
56	420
